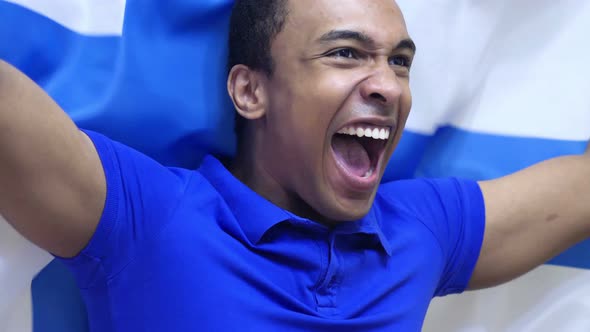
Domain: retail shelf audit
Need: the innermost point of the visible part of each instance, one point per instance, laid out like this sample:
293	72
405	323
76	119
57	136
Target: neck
252	166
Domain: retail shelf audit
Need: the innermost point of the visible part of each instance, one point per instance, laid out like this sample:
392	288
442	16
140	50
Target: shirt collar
369	224
256	215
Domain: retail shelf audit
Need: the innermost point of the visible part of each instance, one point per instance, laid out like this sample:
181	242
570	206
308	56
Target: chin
346	209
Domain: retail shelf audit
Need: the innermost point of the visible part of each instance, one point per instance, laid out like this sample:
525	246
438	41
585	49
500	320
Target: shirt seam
153	238
418	218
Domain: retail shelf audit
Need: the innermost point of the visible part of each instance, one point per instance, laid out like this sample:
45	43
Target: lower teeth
369	173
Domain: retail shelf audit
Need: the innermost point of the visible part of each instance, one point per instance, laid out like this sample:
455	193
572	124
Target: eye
346	53
400	60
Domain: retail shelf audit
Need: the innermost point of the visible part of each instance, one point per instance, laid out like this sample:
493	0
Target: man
309	242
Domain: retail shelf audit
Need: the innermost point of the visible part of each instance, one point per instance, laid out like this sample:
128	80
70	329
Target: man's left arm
531	216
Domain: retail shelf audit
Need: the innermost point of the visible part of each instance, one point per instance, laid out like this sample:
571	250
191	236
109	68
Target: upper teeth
375	132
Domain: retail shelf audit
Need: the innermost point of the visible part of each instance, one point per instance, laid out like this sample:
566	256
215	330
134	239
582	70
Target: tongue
351	153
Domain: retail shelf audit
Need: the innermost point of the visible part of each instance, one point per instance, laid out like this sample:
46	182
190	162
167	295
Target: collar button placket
327	290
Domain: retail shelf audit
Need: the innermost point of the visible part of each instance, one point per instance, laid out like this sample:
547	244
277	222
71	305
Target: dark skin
337	62
329	71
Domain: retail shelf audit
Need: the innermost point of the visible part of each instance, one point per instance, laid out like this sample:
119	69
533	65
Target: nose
382	87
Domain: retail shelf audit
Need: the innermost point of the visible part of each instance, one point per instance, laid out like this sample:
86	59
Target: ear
247	90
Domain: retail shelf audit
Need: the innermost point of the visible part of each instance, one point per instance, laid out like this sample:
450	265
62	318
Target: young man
295	233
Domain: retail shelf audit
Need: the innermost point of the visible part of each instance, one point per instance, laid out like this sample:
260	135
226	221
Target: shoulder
451	211
132	166
422	192
437	203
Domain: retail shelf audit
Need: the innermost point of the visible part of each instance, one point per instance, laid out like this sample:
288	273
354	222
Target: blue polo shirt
181	250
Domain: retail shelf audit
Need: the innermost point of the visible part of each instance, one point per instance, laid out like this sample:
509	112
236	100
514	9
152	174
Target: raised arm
532	216
52	186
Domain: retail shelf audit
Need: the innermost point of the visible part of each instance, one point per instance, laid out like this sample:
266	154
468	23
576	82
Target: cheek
305	104
409	99
405	105
324	98
315	105
295	127
335	84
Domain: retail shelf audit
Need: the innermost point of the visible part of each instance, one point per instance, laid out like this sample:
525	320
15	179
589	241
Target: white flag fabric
498	85
20	261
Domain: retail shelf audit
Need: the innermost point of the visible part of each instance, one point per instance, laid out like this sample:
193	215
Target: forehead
380	19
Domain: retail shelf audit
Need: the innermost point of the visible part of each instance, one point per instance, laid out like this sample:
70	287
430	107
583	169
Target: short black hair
253	26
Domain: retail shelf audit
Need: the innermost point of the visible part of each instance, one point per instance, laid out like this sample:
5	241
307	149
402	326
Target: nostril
378	96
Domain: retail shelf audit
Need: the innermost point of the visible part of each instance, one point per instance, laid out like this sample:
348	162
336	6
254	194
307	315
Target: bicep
52	185
141	199
531	216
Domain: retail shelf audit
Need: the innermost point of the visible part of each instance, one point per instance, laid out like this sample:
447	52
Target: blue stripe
54	56
32	42
57	303
407	156
458	152
167	96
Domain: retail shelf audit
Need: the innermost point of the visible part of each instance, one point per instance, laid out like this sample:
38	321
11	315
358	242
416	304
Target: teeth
360	132
369	173
375	132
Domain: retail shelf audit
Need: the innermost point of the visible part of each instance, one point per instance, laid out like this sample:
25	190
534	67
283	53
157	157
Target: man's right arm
52	184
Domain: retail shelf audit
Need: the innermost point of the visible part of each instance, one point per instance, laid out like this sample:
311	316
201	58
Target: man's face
341	71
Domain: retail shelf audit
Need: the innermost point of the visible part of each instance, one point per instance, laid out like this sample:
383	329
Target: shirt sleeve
458	219
141	197
453	210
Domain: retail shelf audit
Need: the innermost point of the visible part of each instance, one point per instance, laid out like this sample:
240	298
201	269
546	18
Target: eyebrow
406	44
364	39
335	35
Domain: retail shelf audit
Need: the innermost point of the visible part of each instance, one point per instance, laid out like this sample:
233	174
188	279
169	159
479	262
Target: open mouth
358	151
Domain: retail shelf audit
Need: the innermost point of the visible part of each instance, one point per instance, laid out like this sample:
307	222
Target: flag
498	85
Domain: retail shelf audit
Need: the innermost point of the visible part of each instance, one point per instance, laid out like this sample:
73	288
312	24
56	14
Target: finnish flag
498	85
